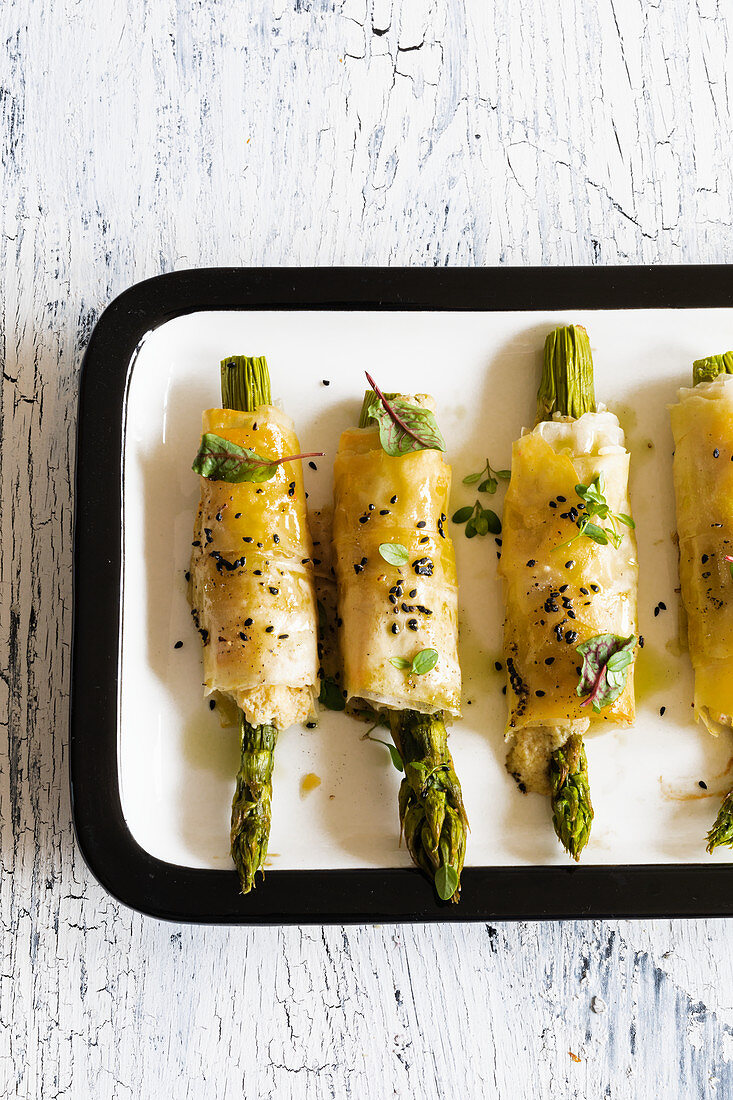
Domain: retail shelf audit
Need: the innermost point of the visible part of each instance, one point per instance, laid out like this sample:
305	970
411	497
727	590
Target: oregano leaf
394	553
446	881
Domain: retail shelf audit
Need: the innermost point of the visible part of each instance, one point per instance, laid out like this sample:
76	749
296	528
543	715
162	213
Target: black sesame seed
218	517
656	612
384	511
424	610
325	382
246	538
641	641
562	499
311	725
702	782
498	666
569	564
420	524
187	575
539	694
716	453
594	588
662	606
312	465
661	711
393	500
412	593
291	488
425	538
257	572
276	539
178	645
281	636
269	629
704	559
565	515
571	636
363	519
273	591
237	515
571	614
412	624
705	576
248	622
212	704
393	599
503	690
549	660
584	591
564	588
531	563
395	628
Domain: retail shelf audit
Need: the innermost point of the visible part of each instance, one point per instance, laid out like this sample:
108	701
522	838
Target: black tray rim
170	892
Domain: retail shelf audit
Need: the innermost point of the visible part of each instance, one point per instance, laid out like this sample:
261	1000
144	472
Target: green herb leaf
463	514
503	474
446	881
487	477
490	485
492	521
424	661
606	659
220	460
404	427
394	553
473	478
393	751
597	507
330	696
401	663
471	530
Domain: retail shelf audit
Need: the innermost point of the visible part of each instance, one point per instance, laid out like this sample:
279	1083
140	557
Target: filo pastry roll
702	424
386	612
563	588
252	577
398	616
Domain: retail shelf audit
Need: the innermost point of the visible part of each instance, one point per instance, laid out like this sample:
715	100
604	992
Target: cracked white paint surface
141	137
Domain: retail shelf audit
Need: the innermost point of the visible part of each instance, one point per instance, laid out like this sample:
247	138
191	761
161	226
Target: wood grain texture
140	137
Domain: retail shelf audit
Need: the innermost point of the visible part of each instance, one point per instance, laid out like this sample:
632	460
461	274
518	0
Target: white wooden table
141	136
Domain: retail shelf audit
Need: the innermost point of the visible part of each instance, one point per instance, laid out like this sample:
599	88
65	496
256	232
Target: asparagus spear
430	803
245	384
707	370
572	812
566	387
431	808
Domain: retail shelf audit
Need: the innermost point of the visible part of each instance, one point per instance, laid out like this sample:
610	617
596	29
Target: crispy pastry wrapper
702	424
380	499
558	597
252	588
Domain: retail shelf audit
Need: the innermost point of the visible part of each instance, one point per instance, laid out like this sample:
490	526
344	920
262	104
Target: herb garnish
597	506
422	662
606	658
220	460
404	427
489	483
394	553
478	520
393	751
330	696
446	881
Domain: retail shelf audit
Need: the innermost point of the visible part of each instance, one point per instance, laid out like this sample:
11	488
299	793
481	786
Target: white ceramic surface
176	762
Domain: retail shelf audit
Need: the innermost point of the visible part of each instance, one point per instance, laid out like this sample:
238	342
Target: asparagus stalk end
572	811
566	386
722	831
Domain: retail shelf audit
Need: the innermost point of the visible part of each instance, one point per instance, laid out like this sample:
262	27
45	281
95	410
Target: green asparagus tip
722	831
566	386
572	811
432	814
251	805
245	382
707	370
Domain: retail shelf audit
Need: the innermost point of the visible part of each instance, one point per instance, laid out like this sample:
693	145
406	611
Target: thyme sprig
478	520
490	482
594	505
